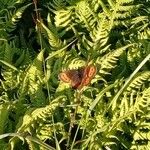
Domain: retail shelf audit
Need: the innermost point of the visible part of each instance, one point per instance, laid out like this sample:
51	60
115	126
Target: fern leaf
138	81
85	15
109	61
32	80
53	38
63	18
38	114
16	17
4	112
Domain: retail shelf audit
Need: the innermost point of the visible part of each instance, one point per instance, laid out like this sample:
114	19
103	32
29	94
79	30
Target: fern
137	83
141	140
53	38
108	62
57	4
26	124
39	111
32	80
63	18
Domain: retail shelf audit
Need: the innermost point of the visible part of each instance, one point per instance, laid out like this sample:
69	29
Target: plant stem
78	97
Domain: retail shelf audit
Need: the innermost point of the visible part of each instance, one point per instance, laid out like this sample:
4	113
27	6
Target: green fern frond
112	112
121	12
46	131
8	3
31	145
74	63
53	38
33	79
20	60
137	54
16	17
63	18
4	112
133	55
38	115
8	53
138	81
109	61
135	103
141	135
124	1
100	32
12	79
57	4
85	15
117	124
95	4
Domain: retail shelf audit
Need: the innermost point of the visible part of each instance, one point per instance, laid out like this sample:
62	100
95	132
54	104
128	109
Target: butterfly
78	77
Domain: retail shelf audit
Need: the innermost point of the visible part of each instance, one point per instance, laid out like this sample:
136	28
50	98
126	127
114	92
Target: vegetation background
39	39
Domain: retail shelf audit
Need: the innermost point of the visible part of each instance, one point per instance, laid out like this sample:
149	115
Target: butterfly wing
78	77
63	76
89	73
72	77
75	79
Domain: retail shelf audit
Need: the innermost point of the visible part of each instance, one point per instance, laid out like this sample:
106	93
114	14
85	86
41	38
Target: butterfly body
78	77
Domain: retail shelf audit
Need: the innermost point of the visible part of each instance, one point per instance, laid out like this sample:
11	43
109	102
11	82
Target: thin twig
78	97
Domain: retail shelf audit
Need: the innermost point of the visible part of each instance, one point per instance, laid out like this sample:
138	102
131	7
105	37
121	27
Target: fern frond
8	53
141	135
138	81
57	4
74	63
53	38
39	114
112	112
33	79
16	17
100	32
4	112
109	61
63	18
85	15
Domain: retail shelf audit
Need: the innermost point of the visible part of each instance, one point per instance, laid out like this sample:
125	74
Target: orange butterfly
78	77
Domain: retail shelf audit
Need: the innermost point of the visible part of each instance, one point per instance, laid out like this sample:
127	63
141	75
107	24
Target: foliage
39	39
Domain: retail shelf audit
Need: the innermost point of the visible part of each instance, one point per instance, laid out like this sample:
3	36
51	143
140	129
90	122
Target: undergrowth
40	39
